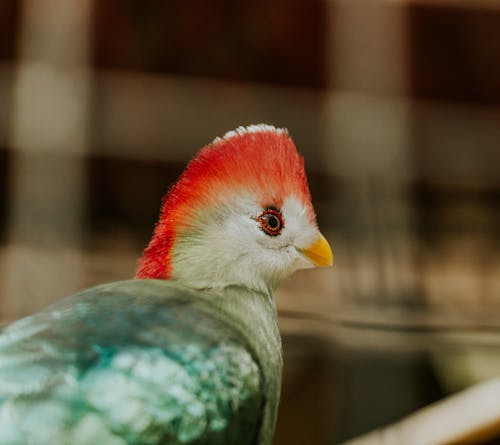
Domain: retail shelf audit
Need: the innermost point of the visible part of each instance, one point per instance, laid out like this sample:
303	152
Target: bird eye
271	222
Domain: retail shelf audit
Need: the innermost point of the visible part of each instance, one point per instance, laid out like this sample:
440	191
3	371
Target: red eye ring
271	222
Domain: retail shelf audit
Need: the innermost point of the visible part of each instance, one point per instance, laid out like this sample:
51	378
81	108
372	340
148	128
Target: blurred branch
469	417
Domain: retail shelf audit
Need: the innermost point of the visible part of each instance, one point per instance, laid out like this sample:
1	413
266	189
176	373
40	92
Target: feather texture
259	159
137	362
193	360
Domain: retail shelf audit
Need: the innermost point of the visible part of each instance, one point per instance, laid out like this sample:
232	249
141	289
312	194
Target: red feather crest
260	159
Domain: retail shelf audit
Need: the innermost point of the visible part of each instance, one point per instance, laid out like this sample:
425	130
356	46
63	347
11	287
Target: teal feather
135	362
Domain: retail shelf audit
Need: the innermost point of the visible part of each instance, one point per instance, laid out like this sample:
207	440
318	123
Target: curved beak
319	252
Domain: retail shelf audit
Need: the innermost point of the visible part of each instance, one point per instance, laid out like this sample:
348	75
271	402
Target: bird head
240	214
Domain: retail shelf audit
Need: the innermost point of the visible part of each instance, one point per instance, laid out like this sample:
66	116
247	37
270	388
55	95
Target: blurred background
395	106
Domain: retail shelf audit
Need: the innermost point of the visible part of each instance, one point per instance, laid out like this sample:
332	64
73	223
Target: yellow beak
320	252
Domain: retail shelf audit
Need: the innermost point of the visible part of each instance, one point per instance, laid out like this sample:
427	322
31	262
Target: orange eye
271	222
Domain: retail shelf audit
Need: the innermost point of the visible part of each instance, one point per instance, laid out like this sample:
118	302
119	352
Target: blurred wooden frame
469	417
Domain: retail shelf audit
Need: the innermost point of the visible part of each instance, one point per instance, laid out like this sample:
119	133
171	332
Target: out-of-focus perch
469	417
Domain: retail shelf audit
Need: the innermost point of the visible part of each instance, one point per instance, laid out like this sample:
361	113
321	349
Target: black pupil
273	222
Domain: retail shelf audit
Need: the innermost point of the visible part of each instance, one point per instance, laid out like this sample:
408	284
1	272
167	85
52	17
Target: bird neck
245	308
253	315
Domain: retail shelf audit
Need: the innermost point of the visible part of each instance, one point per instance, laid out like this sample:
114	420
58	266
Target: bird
189	350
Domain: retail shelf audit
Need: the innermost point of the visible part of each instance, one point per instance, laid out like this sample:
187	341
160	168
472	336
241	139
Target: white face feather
229	248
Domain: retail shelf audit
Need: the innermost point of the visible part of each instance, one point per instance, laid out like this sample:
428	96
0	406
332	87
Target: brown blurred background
395	106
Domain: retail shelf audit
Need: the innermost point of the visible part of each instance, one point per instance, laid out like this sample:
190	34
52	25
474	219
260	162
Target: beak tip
320	252
328	261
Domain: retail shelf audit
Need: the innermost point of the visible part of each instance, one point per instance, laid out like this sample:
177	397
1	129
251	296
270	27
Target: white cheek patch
230	247
299	229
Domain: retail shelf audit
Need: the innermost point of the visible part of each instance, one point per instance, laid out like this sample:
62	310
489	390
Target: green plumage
142	362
